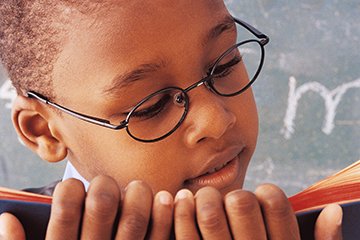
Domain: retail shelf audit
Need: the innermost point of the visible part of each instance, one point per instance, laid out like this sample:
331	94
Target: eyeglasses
159	114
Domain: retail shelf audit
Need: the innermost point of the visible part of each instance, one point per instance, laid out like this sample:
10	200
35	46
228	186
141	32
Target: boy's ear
32	125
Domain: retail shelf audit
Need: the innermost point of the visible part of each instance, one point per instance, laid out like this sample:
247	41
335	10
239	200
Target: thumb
11	228
328	224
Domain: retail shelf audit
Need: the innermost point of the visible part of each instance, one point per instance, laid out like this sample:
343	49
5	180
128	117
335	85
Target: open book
343	187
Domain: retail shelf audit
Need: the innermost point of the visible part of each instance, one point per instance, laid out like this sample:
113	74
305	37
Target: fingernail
164	198
182	194
132	183
334	213
338	211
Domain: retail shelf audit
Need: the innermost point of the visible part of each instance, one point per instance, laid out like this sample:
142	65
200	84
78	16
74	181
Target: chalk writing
8	93
332	99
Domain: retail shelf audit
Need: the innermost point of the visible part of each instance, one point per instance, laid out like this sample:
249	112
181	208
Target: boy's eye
152	107
225	69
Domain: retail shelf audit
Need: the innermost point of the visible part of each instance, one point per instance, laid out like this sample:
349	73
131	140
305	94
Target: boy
114	86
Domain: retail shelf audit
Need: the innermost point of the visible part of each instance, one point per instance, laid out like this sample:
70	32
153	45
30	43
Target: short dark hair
31	35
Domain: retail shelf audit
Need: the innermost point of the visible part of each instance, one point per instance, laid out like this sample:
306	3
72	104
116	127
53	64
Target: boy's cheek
107	153
244	106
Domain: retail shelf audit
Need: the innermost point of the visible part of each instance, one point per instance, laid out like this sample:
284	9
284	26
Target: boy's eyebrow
226	24
122	80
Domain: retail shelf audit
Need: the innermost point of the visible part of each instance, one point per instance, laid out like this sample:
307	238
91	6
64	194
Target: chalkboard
308	97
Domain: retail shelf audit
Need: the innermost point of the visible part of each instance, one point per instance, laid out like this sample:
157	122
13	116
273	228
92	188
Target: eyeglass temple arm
90	119
257	33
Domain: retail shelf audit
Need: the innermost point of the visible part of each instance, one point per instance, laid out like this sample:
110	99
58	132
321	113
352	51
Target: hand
242	215
240	218
79	215
239	215
102	203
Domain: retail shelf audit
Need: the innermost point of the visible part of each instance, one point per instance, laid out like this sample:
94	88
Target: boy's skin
122	37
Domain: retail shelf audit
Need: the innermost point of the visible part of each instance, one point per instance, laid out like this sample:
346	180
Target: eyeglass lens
237	68
158	115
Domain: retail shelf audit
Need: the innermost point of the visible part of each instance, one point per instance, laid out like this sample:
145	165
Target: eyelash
225	69
153	110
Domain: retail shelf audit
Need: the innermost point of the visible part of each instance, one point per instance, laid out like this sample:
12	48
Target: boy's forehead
131	27
130	12
142	8
130	18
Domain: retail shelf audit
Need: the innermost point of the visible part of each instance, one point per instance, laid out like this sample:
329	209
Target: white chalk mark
8	92
332	99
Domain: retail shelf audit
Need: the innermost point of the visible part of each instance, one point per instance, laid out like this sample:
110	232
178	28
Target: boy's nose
208	117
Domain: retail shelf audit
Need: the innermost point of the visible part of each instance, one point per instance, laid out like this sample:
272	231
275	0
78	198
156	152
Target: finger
101	207
162	216
66	210
184	216
210	214
135	212
10	228
244	215
328	224
280	220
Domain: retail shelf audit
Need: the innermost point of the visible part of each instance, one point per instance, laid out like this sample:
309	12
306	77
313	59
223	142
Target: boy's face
172	35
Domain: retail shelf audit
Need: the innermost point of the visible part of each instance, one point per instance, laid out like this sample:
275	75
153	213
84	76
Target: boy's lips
221	171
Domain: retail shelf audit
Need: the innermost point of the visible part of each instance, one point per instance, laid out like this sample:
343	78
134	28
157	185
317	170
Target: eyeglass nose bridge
204	81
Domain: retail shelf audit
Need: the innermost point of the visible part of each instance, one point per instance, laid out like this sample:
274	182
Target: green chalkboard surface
308	97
